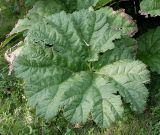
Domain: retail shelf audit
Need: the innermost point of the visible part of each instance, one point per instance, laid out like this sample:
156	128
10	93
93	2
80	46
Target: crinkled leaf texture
151	7
42	9
80	30
62	69
149	49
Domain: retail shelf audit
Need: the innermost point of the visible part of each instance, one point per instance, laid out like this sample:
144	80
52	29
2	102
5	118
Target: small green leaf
102	3
149	49
151	7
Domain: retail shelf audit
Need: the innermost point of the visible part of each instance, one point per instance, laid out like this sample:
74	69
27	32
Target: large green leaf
53	84
56	68
151	7
149	49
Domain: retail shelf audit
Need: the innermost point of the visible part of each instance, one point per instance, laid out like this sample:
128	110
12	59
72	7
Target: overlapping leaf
151	7
58	72
42	9
149	49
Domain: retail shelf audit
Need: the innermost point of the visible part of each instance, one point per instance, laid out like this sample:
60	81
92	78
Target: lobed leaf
120	20
125	48
129	77
52	84
62	69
